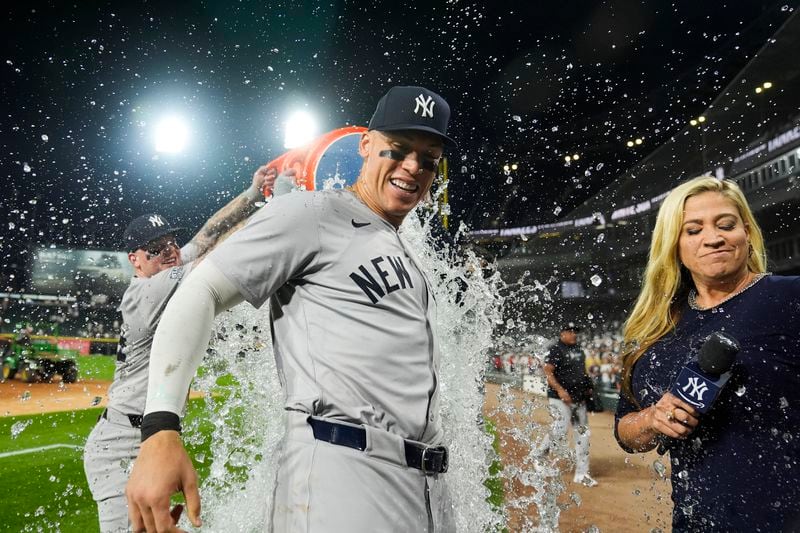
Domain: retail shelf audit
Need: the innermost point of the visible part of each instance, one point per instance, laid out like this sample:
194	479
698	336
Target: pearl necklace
693	293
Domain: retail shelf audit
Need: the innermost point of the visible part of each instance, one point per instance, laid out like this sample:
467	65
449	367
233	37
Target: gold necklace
693	293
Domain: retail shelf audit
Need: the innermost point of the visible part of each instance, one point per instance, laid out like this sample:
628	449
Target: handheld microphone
702	379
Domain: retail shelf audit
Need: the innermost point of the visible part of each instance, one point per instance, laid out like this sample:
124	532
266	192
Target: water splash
245	402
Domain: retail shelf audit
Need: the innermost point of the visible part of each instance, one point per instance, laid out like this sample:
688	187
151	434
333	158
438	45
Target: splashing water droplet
19	427
660	469
596	280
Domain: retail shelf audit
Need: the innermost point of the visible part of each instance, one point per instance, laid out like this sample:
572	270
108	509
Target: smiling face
713	243
159	254
398	171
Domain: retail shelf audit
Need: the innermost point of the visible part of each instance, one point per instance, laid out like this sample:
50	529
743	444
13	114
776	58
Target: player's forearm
635	431
225	219
182	336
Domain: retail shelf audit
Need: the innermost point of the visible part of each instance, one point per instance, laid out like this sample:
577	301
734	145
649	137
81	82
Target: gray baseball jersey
352	318
352	315
142	304
114	443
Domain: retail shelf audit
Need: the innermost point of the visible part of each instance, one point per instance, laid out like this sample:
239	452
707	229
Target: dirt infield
18	398
631	496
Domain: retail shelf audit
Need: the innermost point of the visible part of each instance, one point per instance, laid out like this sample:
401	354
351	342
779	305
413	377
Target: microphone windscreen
718	353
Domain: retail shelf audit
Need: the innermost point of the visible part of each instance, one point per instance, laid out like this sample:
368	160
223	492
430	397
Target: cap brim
448	142
167	231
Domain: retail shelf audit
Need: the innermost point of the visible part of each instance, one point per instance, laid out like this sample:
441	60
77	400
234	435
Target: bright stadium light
171	135
301	128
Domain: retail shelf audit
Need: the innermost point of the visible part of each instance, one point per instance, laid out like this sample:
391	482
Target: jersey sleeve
189	252
278	243
552	357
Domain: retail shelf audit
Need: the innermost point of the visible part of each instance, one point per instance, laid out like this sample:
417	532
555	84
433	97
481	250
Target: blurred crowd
602	349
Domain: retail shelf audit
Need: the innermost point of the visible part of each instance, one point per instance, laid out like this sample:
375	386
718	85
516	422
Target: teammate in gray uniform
353	322
159	268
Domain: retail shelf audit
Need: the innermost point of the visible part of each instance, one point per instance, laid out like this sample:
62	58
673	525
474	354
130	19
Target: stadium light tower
171	135
301	128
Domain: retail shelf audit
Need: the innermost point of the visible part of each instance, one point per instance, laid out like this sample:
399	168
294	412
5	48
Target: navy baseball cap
413	108
570	326
146	228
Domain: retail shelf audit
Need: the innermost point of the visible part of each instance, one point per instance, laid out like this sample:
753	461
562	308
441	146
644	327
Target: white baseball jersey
352	314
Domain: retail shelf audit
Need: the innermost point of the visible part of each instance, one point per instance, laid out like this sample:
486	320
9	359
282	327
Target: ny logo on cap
155	220
426	103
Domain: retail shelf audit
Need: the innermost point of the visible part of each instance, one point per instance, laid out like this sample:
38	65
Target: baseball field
43	428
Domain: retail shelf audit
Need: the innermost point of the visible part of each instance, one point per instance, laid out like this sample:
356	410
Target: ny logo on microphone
698	387
426	103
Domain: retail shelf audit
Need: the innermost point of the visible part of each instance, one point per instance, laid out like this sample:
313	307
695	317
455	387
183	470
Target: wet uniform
352	321
114	442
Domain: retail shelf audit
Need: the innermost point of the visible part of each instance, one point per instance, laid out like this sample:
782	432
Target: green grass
495	482
47	490
47	487
96	367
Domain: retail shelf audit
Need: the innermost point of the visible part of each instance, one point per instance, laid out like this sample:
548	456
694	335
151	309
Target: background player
567	390
159	268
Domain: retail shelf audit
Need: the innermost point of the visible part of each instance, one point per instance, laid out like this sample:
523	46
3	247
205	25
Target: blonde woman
736	468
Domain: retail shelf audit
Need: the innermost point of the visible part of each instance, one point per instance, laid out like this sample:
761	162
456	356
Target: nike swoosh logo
359	224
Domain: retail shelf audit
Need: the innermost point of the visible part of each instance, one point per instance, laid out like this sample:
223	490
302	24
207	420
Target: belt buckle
444	464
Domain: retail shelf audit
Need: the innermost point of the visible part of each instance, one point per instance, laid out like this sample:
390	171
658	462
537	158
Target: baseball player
353	321
567	389
159	268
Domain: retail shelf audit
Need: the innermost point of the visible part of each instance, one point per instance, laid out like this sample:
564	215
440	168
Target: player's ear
364	144
133	259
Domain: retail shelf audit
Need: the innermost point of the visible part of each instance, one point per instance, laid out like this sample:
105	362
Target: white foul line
39	449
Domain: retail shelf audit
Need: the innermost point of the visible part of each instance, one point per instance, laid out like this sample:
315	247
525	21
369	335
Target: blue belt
134	420
429	459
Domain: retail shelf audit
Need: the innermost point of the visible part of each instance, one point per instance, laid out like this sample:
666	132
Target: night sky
84	82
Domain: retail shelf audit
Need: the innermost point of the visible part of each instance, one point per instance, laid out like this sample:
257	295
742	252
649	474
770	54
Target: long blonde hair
666	283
